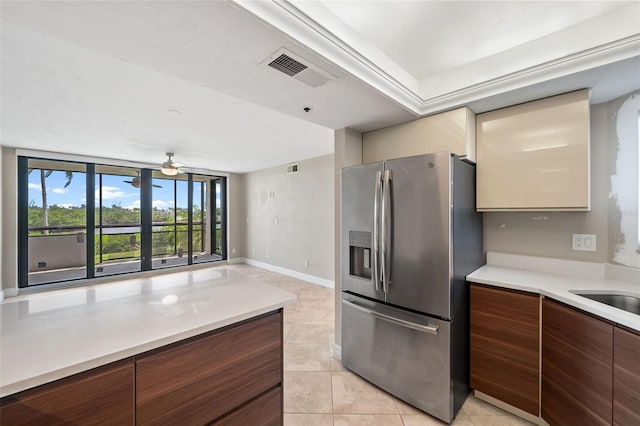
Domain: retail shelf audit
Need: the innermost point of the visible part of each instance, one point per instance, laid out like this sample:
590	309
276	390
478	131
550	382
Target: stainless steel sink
620	301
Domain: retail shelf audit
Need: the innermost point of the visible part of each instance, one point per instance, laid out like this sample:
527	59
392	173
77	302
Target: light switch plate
583	242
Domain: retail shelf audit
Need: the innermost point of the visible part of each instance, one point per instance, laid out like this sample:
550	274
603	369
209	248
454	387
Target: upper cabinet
449	131
535	156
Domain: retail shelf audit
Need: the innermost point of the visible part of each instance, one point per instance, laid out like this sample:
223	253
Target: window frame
146	216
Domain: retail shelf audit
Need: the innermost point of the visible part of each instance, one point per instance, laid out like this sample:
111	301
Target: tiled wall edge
547	264
289	272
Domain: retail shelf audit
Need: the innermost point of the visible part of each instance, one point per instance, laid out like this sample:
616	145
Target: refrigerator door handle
376	224
397	321
386	231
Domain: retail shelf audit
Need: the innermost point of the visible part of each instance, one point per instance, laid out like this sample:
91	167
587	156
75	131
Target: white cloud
135	205
66	205
162	204
60	190
110	192
35	186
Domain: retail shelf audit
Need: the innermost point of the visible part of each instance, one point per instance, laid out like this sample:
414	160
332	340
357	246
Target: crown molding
294	23
582	61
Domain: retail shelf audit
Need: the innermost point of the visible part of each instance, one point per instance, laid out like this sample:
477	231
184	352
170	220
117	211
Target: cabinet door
103	396
535	156
202	379
265	410
505	346
626	378
577	364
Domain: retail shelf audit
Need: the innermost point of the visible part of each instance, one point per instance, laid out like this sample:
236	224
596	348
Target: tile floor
318	391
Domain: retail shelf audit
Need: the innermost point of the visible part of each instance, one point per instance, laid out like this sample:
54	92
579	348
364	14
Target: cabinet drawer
626	377
103	396
200	380
505	346
265	410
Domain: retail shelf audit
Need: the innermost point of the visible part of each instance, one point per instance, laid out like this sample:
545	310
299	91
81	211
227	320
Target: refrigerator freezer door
421	233
406	354
358	244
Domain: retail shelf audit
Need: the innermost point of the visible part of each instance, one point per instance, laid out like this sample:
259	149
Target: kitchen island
151	332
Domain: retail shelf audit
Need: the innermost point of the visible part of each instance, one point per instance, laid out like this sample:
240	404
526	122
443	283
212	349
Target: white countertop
50	335
554	279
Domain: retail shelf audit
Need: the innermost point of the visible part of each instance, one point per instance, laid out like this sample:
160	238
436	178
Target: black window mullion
175	217
202	217
23	222
90	219
190	220
101	216
146	217
223	217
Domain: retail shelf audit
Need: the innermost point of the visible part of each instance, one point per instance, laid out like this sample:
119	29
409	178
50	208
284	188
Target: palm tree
44	174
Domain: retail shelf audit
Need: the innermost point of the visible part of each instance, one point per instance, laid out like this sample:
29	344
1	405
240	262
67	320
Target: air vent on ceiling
296	67
287	65
292	168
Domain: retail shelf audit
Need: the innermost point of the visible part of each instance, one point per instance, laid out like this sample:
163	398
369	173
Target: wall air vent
292	168
298	68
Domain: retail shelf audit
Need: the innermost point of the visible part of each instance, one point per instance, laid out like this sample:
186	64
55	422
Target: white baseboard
236	260
289	272
8	292
336	351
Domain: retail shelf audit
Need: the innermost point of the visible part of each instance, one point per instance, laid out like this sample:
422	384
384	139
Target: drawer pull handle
397	321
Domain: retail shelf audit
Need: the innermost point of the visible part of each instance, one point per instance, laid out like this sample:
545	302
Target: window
82	220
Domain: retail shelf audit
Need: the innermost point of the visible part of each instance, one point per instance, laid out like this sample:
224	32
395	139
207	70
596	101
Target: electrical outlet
583	242
267	255
233	251
306	263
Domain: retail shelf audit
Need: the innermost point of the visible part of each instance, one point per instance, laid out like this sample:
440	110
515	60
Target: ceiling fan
170	167
136	182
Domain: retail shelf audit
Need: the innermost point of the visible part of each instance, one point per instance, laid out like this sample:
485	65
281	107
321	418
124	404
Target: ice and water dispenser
360	254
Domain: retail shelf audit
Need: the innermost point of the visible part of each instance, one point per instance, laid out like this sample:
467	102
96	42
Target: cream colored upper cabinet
449	131
535	156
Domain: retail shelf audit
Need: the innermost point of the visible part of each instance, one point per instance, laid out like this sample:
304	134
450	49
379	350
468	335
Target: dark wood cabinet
230	376
102	396
626	377
265	410
577	364
203	379
505	346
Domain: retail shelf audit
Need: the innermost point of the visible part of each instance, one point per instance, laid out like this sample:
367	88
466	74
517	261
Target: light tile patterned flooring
318	391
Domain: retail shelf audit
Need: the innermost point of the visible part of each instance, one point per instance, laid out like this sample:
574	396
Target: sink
620	301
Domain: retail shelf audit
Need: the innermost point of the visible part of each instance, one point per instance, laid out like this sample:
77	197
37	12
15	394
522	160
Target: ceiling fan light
169	171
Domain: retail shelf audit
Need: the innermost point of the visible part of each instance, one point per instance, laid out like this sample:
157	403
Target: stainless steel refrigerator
410	235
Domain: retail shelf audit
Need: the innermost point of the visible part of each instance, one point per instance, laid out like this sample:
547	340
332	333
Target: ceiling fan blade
157	186
128	181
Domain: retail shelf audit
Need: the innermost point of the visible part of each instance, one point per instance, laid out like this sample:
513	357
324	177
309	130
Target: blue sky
115	191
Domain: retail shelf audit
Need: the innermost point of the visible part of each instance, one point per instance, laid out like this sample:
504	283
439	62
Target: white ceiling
415	36
106	78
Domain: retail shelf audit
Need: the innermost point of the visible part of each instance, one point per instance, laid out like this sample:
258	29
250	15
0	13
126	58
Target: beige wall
236	216
448	131
347	152
290	217
613	217
9	197
1	239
